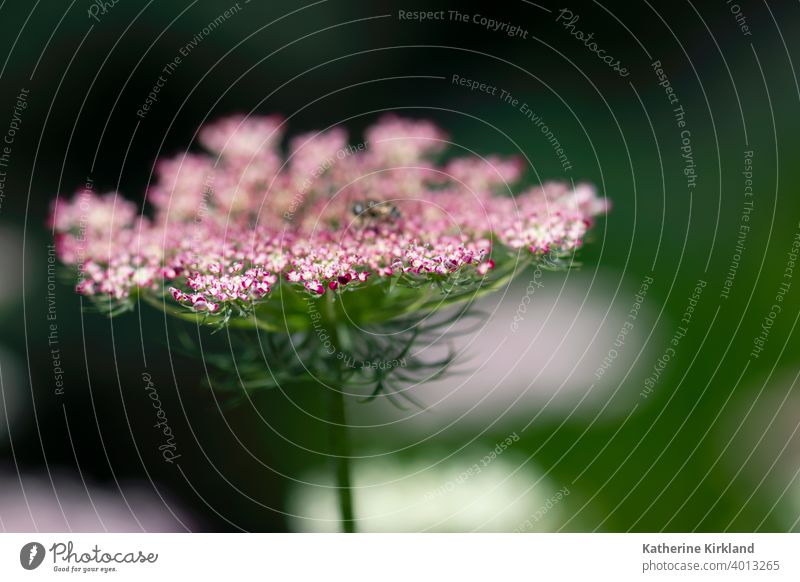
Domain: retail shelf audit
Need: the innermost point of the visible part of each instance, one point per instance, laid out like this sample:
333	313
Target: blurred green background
713	447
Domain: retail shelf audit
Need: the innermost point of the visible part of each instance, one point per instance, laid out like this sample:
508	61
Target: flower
231	226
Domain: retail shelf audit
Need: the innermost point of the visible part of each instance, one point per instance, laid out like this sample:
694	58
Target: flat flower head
242	234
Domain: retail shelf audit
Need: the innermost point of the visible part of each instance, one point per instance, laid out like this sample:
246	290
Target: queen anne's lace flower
229	227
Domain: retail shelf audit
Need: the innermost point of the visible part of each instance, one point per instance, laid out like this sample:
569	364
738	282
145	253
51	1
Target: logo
31	555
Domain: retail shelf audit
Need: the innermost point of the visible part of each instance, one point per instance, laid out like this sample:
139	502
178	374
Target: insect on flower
372	213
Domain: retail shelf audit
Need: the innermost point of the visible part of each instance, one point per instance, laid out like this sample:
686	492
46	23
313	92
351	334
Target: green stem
341	452
340	443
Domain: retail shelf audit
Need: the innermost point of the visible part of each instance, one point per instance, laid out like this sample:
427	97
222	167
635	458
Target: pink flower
482	174
92	214
485	267
230	226
404	141
242	138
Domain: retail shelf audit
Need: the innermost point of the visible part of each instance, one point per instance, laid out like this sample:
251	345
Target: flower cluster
220	287
229	225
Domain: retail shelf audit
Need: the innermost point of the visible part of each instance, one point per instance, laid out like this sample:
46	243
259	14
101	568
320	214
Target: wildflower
374	234
230	225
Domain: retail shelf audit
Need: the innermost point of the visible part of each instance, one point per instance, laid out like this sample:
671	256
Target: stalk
341	451
340	443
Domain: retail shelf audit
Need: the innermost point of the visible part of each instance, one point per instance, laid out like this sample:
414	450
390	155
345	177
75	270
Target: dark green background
681	448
